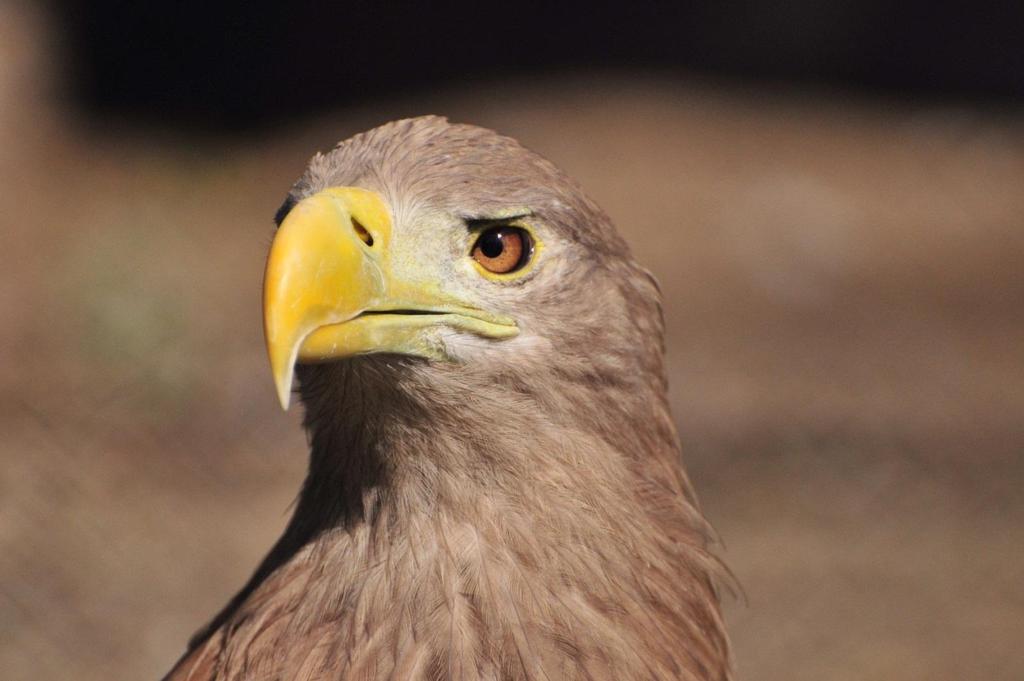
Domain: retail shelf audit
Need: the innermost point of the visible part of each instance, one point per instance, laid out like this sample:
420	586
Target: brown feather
527	517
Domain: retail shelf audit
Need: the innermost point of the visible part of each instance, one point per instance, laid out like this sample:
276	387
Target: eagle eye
503	249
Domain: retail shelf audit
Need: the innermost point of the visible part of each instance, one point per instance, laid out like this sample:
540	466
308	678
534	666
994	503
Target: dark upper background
829	192
237	65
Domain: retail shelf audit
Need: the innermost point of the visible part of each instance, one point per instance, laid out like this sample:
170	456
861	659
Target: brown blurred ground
845	300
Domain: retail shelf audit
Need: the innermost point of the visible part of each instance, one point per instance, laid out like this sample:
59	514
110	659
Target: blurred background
831	193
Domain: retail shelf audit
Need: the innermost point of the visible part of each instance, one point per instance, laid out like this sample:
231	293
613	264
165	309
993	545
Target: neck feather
527	531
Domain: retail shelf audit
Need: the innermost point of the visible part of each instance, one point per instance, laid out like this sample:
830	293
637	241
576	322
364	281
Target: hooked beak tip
283	369
284	394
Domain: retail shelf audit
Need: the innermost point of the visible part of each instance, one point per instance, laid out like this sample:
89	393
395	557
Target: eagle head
452	252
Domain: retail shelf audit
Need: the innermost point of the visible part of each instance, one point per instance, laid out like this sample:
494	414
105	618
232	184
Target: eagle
495	487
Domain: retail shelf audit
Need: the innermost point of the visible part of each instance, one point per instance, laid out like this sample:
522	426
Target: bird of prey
495	489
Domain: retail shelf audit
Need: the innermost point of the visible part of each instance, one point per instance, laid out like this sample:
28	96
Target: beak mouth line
440	311
401	328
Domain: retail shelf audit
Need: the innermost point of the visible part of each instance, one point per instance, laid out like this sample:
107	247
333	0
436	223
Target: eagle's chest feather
481	587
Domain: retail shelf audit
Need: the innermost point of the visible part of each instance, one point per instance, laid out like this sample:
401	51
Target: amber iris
503	249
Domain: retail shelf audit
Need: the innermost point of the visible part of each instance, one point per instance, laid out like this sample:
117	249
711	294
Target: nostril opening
362	232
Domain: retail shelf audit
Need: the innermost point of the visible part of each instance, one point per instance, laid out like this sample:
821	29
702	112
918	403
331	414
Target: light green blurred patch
131	315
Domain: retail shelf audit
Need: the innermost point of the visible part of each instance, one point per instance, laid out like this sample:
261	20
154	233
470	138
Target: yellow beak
330	290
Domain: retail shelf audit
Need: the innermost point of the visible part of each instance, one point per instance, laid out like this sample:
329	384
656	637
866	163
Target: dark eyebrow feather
475	223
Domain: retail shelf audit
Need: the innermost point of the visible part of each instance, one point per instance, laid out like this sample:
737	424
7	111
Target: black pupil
492	243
